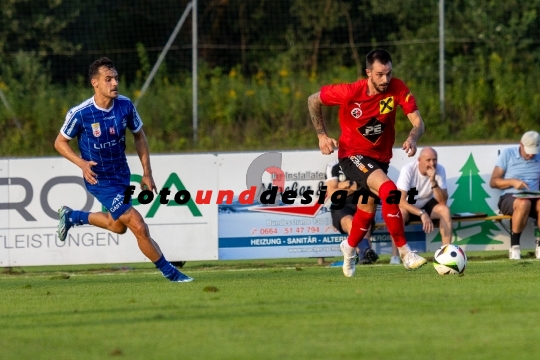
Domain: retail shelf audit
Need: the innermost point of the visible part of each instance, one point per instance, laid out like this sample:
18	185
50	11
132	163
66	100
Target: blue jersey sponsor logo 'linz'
101	136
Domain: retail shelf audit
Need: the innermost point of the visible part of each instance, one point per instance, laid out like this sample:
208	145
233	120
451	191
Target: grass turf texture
272	309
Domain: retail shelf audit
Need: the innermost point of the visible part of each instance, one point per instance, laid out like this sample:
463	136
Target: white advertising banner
468	171
38	187
252	231
262	231
224	218
4	214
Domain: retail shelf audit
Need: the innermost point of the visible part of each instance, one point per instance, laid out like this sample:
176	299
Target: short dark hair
94	68
379	55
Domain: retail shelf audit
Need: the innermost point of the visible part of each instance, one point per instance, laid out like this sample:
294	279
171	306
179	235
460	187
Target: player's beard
378	87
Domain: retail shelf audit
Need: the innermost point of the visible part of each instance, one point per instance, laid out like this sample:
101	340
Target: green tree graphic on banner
470	196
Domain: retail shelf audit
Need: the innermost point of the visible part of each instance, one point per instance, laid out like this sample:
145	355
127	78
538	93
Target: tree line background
259	60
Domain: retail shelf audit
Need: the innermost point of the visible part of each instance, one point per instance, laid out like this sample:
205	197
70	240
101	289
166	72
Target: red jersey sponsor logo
373	130
356	112
386	105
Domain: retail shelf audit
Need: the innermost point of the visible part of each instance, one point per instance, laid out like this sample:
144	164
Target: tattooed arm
326	144
315	112
418	129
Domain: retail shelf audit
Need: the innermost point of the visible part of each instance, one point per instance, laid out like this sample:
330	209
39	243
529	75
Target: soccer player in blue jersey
99	124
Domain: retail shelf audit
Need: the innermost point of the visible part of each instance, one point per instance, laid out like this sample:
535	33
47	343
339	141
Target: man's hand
431	173
410	147
327	144
61	144
147	183
427	224
418	129
88	174
520	185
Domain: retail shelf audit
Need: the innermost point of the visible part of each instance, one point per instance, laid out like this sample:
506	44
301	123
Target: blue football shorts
111	196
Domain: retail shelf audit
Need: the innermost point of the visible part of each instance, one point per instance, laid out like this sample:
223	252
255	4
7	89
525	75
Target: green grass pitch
272	309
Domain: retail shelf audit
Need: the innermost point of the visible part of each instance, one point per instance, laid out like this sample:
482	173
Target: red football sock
391	214
360	226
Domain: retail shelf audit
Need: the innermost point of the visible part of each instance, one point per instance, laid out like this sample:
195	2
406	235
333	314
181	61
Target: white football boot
411	260
395	260
514	253
349	258
537	252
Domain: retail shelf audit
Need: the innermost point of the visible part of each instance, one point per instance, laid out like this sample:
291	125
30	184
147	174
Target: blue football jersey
102	136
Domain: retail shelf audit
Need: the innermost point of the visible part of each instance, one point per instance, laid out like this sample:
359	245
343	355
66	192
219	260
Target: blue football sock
161	262
362	247
167	269
79	217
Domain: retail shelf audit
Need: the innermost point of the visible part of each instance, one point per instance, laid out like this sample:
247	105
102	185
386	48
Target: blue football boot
181	277
65	222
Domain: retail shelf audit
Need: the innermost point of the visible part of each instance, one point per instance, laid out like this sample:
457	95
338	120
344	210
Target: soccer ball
450	259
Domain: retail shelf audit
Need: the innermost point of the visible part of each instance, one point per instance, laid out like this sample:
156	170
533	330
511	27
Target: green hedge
490	102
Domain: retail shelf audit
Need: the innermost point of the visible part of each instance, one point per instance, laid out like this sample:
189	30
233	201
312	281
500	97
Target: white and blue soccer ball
450	260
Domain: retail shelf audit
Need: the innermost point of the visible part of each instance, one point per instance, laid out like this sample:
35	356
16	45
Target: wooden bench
458	218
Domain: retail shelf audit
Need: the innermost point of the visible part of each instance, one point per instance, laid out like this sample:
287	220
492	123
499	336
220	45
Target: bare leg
442	212
104	220
134	221
156	245
395	251
538	211
522	207
346	223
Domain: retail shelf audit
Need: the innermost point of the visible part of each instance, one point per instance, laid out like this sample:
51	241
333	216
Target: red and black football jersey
368	122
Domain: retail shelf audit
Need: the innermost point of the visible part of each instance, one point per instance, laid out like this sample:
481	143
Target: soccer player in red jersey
367	116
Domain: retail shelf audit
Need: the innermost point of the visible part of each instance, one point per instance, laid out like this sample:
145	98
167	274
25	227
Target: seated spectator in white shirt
429	179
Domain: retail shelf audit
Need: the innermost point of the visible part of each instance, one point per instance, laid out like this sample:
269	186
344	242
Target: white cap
531	142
